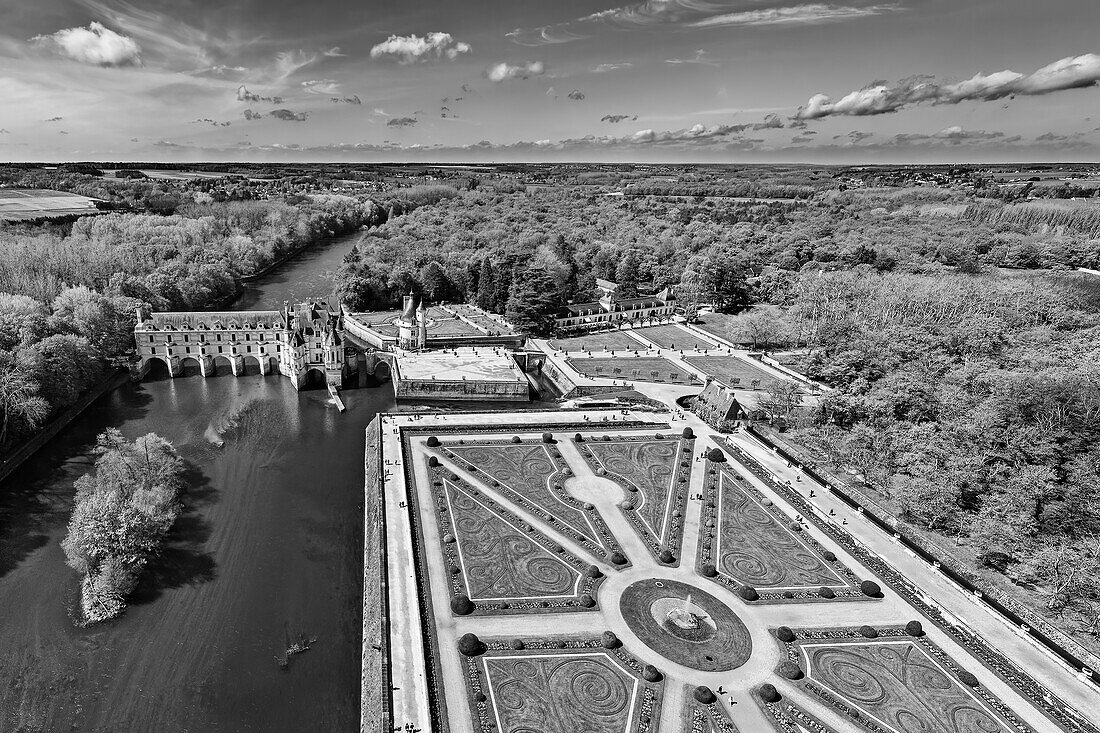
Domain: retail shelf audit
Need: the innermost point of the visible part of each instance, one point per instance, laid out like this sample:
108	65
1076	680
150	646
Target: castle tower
407	324
422	326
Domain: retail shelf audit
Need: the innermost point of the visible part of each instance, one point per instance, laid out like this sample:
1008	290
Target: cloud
604	68
250	115
54	119
287	115
771	122
243	95
503	71
402	122
288	62
616	119
354	99
681	14
801	139
809	14
96	45
321	86
700	57
4	131
334	52
576	95
413	49
1073	72
212	123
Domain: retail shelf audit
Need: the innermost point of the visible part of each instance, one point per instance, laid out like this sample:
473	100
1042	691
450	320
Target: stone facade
292	341
611	309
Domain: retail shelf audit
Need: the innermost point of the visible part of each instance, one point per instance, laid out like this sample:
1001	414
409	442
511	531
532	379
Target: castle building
611	309
296	341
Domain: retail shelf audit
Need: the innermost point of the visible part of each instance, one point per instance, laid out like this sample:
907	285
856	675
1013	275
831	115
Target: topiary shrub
651	673
480	697
462	605
517	644
967	678
618	558
609	641
709	571
578	438
448	538
790	670
667	557
627	505
433	442
748	593
471	646
716	455
768	693
870	588
688	433
594	572
868	632
914	628
587	601
433	461
547	438
515	439
784	634
796	527
825	592
452	476
705	695
829	555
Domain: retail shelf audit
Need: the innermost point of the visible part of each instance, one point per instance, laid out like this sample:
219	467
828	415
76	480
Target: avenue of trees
123	509
68	298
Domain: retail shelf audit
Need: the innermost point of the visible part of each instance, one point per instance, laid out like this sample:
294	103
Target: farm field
24	204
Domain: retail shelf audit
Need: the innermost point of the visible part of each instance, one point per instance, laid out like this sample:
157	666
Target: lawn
719	324
731	370
608	341
674	337
640	369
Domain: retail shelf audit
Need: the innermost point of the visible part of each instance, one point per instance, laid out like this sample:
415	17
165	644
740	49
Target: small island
124	507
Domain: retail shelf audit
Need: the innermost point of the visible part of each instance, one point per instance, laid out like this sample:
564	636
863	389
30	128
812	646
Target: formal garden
654	472
549	627
635	369
749	544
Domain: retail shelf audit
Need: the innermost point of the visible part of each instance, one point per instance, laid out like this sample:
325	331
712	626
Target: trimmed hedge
547	438
716	455
967	678
826	592
870	588
433	462
688	433
618	558
471	646
769	694
587	601
651	673
609	641
462	605
433	442
868	632
829	555
705	695
667	557
784	633
914	628
709	571
790	670
748	593
594	572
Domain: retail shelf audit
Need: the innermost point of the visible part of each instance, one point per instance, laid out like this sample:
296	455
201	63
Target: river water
269	546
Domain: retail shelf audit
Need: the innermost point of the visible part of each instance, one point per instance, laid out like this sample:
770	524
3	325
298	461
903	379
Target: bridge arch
156	366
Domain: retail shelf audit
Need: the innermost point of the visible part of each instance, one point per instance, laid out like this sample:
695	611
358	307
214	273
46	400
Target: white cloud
1073	72
413	49
96	45
502	71
604	68
321	86
808	14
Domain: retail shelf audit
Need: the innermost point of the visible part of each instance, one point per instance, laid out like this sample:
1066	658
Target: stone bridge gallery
441	352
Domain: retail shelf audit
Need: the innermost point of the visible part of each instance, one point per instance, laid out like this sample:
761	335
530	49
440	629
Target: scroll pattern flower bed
895	682
531	475
500	562
750	542
560	687
654	474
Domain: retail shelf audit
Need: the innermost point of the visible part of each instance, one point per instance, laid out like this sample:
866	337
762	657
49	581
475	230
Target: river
269	546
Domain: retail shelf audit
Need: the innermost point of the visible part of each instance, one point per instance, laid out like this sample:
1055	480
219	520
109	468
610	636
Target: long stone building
301	342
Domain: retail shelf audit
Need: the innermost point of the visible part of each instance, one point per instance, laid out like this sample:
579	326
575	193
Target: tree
64	366
783	398
533	303
762	326
486	286
626	275
22	319
20	402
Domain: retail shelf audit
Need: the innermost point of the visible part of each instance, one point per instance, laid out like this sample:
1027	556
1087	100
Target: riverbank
30	447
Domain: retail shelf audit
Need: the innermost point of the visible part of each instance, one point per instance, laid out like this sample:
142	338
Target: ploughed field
24	204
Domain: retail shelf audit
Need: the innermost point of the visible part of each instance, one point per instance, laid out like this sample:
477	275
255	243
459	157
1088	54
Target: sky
721	81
